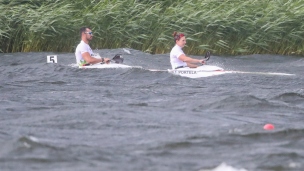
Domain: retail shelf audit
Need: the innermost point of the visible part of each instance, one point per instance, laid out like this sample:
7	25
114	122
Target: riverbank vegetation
222	26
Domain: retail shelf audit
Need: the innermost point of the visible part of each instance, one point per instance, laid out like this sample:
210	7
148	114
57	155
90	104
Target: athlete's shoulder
82	45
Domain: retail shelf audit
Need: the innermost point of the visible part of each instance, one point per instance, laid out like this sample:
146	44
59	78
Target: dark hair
177	35
82	30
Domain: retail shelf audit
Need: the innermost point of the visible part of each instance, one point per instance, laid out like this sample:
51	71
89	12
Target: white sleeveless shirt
174	54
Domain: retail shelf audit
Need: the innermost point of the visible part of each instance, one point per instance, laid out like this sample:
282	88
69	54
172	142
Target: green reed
221	26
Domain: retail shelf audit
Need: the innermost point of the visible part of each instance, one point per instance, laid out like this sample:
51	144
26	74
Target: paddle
207	56
118	59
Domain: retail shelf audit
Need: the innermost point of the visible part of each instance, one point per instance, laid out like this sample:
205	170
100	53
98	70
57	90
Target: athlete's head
179	39
86	33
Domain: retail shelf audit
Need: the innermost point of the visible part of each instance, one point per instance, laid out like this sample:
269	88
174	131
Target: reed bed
231	27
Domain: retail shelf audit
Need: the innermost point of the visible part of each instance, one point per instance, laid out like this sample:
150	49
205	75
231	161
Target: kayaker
178	59
84	52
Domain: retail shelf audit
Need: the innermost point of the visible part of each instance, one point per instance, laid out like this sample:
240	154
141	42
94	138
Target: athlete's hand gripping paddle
207	56
118	59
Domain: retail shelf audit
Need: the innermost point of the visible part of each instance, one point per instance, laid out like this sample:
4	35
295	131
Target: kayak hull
202	71
111	65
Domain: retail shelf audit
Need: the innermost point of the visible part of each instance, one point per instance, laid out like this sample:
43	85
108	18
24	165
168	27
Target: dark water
58	117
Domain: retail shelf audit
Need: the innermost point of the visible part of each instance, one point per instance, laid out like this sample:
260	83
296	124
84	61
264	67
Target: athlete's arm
89	59
187	59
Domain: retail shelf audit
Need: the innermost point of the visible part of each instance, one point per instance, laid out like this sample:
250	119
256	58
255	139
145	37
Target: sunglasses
90	33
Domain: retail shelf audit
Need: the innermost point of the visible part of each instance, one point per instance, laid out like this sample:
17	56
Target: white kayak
202	71
111	65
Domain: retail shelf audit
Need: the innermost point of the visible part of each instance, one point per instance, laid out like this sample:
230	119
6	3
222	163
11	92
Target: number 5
52	59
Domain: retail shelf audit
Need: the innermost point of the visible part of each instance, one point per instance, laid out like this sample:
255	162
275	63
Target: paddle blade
118	59
207	56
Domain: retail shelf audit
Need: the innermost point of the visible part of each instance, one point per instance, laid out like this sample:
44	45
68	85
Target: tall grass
222	26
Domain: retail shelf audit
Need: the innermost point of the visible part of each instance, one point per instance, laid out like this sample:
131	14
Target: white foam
294	165
126	50
224	167
33	138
